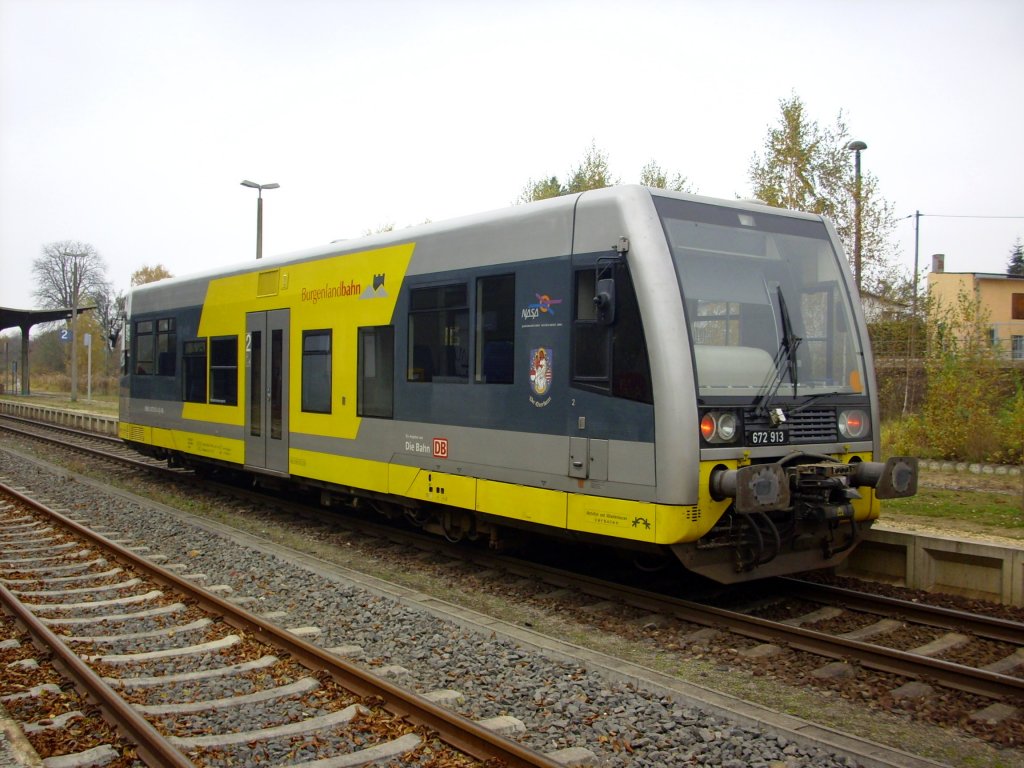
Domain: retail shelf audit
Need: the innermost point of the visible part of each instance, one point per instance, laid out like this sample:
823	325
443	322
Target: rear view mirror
604	301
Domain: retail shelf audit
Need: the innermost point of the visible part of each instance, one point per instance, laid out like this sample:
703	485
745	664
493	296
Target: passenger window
495	329
375	395
166	347
316	371
144	348
224	370
439	334
193	359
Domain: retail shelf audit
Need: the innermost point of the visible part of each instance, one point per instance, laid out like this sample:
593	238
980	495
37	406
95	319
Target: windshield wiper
786	356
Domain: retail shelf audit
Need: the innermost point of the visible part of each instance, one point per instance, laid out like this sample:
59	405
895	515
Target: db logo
440	447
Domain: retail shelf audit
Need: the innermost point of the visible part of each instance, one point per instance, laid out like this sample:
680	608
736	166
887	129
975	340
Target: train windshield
766	304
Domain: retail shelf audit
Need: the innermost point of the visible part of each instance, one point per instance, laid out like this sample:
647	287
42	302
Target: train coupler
782	484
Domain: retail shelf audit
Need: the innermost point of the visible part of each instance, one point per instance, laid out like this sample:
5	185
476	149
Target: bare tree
68	273
110	307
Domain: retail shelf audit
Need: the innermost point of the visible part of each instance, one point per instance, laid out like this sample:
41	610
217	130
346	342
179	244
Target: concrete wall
955	566
89	422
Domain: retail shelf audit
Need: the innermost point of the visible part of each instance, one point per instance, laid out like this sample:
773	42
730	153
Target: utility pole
913	314
856	147
74	327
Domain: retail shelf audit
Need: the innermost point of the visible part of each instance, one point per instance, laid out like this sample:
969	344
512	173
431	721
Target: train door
266	390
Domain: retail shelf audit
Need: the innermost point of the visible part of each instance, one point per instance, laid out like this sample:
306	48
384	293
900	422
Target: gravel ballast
561	703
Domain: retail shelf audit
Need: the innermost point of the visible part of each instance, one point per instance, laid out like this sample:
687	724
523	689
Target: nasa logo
545	305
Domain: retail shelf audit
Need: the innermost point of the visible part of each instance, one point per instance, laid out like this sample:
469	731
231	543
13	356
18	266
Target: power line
958	216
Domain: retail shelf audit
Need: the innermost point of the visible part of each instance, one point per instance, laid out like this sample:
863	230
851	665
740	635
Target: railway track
848	627
190	678
873	628
914	648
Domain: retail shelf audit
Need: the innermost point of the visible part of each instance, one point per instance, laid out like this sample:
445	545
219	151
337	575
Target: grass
977	503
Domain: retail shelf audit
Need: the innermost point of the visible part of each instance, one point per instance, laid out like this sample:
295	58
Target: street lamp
259	212
856	147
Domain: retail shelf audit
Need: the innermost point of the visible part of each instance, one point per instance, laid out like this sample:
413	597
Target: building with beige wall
1001	296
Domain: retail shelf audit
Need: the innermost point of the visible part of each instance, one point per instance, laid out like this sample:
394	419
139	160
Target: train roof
550	231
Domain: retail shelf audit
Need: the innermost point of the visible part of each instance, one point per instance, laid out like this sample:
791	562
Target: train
673	376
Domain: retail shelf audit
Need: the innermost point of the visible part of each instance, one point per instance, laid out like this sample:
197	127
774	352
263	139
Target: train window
610	358
276	384
316	371
144	347
439	334
631	369
495	329
591	353
375	395
254	361
224	370
193	359
166	347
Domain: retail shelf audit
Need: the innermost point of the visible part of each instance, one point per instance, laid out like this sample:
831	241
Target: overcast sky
129	124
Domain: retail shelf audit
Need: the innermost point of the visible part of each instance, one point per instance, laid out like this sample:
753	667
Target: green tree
594	172
1016	263
652	175
961	415
48	353
148	274
541	190
805	167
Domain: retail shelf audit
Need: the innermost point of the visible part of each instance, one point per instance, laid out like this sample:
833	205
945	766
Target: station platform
84	416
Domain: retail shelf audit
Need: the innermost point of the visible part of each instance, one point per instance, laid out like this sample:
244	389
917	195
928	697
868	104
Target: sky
129	124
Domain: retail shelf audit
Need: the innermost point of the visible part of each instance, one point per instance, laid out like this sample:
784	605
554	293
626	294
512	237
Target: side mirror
604	301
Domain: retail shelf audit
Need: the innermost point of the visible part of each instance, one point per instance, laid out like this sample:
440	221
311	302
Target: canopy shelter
25	319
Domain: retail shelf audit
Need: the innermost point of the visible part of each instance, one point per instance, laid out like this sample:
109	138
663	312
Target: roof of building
26	318
982	275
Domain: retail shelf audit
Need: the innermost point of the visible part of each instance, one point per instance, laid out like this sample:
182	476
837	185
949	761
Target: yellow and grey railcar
654	371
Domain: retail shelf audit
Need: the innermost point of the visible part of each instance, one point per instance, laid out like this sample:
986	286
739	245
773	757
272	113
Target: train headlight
727	427
853	424
718	427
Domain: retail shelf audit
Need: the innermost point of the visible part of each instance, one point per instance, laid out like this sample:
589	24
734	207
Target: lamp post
259	212
856	147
